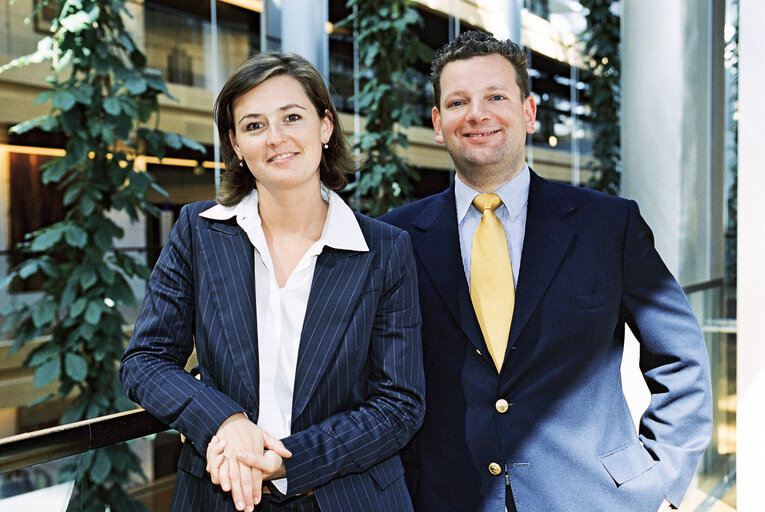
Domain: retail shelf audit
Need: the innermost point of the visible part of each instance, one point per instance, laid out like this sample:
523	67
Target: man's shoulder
579	197
403	216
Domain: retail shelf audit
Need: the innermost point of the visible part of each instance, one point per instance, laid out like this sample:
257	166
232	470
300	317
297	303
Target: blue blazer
567	441
358	395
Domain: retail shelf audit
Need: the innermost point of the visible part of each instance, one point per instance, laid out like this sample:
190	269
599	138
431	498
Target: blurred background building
686	156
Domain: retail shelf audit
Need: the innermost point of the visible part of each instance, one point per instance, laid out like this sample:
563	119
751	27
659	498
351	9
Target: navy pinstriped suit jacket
358	395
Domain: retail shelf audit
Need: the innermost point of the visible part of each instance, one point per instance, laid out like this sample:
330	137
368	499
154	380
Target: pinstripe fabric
358	395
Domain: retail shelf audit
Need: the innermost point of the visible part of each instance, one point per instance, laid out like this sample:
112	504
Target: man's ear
437	125
530	113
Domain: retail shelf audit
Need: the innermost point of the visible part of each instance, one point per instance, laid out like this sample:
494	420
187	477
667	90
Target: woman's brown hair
336	161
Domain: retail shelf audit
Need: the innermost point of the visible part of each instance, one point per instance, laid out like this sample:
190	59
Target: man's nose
477	111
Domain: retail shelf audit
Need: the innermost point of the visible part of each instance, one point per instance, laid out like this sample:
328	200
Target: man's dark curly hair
475	44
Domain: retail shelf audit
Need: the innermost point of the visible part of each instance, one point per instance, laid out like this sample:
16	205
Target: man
525	409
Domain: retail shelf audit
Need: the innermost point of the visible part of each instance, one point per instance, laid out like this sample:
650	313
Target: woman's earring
325	145
241	163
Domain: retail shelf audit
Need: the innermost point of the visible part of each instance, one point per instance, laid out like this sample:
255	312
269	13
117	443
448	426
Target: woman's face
279	134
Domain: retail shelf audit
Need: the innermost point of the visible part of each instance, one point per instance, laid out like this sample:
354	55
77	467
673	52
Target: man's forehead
478	74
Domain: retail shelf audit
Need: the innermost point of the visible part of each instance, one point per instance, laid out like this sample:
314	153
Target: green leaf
76	236
31	124
47	373
112	106
106	273
75	413
6	281
47	238
43	97
87	331
41	354
63	100
71	194
88	278
87	205
76	367
28	268
93	313
54	170
173	140
136	85
192	144
102	465
44	312
78	307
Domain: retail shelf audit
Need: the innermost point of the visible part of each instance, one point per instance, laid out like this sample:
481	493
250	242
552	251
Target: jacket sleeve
677	425
153	367
393	407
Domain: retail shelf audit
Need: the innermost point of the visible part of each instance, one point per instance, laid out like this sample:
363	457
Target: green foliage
388	47
601	40
101	94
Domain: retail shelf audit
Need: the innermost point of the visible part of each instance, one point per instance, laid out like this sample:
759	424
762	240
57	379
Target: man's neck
488	182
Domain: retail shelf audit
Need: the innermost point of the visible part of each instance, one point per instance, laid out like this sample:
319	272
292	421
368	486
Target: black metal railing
54	443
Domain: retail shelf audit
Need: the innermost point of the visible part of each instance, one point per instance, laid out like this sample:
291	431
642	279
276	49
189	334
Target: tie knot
487	202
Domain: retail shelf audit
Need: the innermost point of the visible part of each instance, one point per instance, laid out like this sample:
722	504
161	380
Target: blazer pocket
387	471
593	300
374	282
627	463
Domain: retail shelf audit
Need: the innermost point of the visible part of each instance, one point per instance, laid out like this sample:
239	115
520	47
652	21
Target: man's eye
456	103
497	97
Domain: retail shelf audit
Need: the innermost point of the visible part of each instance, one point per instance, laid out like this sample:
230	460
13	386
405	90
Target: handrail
717	282
32	448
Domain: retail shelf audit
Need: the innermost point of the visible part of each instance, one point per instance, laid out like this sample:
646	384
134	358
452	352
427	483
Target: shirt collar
341	229
514	194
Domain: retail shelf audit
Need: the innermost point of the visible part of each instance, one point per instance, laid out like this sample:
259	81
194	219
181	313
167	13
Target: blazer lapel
437	228
546	240
230	266
338	280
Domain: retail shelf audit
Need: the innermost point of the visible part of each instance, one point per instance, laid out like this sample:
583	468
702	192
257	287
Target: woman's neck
296	212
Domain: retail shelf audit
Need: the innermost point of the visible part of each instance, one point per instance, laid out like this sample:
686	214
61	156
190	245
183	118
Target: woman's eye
253	126
293	117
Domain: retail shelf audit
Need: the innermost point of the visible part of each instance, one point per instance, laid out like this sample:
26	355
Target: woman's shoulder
377	228
198	206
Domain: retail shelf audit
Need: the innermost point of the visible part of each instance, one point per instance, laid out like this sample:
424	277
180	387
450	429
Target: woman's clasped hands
241	456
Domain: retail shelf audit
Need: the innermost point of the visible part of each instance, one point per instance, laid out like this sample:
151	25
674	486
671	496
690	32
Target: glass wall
179	41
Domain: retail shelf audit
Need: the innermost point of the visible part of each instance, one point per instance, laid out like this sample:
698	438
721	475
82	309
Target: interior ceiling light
250	5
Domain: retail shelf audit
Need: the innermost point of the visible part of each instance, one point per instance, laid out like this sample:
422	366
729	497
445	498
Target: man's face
482	119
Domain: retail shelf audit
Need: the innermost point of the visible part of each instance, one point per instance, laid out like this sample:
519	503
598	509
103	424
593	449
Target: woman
304	316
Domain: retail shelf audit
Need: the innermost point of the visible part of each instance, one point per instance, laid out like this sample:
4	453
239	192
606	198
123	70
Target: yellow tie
491	278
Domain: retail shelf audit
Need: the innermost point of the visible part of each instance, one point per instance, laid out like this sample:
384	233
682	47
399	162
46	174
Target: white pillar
672	128
304	31
505	22
751	250
271	26
672	117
